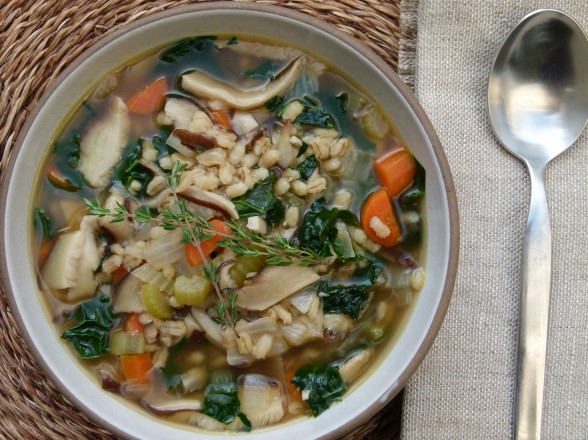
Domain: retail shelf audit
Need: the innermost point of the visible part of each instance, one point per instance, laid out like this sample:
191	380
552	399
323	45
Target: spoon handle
533	312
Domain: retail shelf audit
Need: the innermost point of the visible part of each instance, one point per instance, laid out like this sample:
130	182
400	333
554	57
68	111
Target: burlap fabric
38	40
465	387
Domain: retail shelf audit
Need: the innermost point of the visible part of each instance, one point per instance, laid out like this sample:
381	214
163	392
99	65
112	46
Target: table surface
40	40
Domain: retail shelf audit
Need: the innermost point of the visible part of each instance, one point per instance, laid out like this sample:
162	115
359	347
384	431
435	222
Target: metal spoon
538	106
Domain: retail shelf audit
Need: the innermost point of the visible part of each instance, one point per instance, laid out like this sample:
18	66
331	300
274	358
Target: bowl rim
347	39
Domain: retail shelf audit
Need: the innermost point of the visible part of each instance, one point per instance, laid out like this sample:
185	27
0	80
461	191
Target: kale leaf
343	99
172	374
352	298
184	47
317	231
91	335
302	149
343	300
307	167
69	150
261	201
221	402
414	193
315	116
43	224
320	385
131	169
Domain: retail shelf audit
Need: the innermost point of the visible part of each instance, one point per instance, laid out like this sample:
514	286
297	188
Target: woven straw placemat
39	39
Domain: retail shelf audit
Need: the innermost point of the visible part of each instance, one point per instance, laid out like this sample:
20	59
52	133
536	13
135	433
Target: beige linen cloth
464	389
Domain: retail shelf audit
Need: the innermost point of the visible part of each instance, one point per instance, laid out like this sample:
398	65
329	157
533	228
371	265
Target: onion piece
165	250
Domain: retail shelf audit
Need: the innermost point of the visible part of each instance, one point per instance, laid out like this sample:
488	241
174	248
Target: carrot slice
396	171
207	247
44	251
145	101
292	389
57	179
222	118
377	215
136	367
119	274
133	324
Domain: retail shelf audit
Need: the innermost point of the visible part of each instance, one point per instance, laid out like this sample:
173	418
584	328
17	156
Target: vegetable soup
229	233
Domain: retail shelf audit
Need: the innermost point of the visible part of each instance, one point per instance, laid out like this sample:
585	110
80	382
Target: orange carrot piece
293	390
119	274
133	325
145	101
136	367
58	180
378	205
396	171
44	251
222	118
207	247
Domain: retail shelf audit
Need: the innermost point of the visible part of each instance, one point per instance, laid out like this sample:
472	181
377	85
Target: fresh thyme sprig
195	229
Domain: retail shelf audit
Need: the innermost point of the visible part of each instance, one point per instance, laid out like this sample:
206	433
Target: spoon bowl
538	88
538	107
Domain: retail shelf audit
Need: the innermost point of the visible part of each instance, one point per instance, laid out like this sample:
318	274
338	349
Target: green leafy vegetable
414	194
131	169
275	104
221	402
261	201
184	47
303	148
90	336
316	117
343	99
43	224
172	373
69	150
307	167
89	108
265	71
317	231
233	41
343	300
321	385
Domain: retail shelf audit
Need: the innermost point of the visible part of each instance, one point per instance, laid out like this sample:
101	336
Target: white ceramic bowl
18	270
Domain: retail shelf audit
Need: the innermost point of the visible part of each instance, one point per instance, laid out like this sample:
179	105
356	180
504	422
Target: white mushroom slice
268	287
211	328
180	112
102	145
90	260
262	399
61	268
128	296
210	200
204	86
163	406
350	367
120	230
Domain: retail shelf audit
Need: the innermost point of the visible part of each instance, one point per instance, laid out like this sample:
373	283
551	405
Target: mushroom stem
204	86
